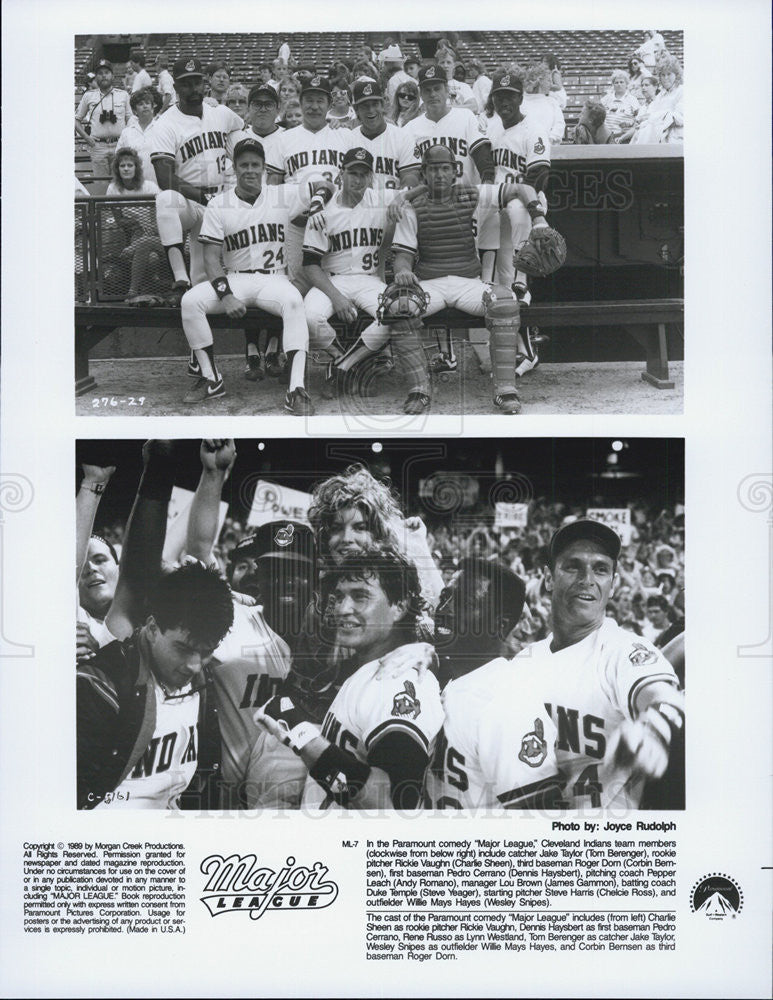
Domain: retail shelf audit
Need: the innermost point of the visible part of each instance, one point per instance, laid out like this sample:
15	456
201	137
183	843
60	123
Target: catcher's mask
398	302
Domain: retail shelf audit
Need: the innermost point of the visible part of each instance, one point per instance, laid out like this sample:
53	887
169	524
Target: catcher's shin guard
503	320
409	355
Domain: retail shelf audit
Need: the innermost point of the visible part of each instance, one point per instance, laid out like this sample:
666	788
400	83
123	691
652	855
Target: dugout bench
645	320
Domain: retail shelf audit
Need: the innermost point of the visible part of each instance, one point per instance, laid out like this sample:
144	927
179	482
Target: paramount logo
240	884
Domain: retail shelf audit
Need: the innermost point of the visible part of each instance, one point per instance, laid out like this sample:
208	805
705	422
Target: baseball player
248	225
189	154
378	734
101	117
613	697
437	231
390	146
341	254
521	153
311	148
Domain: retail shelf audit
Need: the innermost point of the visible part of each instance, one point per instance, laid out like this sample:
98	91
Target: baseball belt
97	139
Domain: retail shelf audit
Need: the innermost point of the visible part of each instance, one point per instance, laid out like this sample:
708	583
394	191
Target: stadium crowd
358	617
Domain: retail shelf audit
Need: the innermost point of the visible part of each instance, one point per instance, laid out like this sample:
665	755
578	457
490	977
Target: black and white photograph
533	263
379	607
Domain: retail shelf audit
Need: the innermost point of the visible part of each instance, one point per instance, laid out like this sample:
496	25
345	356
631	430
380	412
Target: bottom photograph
380	625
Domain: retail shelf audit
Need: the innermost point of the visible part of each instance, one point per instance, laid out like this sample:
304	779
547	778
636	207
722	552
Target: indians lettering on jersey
273	232
334	731
457	145
160	753
198	145
355	238
313	158
201	143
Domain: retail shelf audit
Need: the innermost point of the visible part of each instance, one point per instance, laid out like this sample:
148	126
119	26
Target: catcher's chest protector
445	236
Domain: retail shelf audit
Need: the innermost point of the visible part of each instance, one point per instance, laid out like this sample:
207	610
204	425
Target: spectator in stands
557	89
406	104
412	67
393	73
279	72
666	118
219	76
481	86
341	112
284	52
652	44
591	128
141	76
636	74
538	106
101	117
165	83
649	88
459	93
621	106
150	277
289	90
364	68
128	78
658	618
236	99
146	104
292	116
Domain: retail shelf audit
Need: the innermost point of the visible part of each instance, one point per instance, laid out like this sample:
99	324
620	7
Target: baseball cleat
298	402
276	364
333	386
179	288
255	369
417	402
524	364
194	368
508	403
205	389
442	363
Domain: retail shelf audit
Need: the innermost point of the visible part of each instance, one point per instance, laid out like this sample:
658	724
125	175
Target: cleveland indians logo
190	66
368	89
430	74
534	749
314	81
360	154
539	146
641	655
285	536
406	703
505	81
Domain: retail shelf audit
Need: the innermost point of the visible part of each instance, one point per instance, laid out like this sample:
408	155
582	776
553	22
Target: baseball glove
542	254
398	302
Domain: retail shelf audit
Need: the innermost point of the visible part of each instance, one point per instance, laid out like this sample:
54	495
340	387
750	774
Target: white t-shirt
352	237
253	235
98	629
589	689
366	710
139	140
546	115
141	80
197	145
496	749
458	129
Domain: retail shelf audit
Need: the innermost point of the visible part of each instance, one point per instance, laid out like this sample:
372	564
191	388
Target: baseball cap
186	66
357	155
248	146
585	528
103	64
263	88
366	90
431	74
507	81
277	540
320	83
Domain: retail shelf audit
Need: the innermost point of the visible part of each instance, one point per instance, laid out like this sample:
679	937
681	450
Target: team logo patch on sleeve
406	703
534	749
640	655
539	146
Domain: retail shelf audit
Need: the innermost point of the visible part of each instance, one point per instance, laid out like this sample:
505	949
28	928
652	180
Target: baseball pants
363	290
176	216
273	292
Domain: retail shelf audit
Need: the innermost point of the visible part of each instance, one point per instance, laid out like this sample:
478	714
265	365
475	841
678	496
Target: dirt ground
156	386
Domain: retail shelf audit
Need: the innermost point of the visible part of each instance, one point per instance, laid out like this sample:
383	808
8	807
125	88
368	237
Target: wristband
340	774
302	734
97	488
535	210
221	286
316	204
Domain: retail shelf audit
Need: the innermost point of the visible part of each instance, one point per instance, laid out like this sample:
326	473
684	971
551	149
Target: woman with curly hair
636	74
406	104
621	106
143	248
557	89
666	119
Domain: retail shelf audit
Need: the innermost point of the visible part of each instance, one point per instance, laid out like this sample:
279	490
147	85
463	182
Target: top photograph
390	225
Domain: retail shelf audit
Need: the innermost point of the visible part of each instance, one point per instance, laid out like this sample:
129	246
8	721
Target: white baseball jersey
197	145
589	689
246	669
253	234
352	237
269	142
518	148
167	767
391	150
366	710
458	129
300	153
496	748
